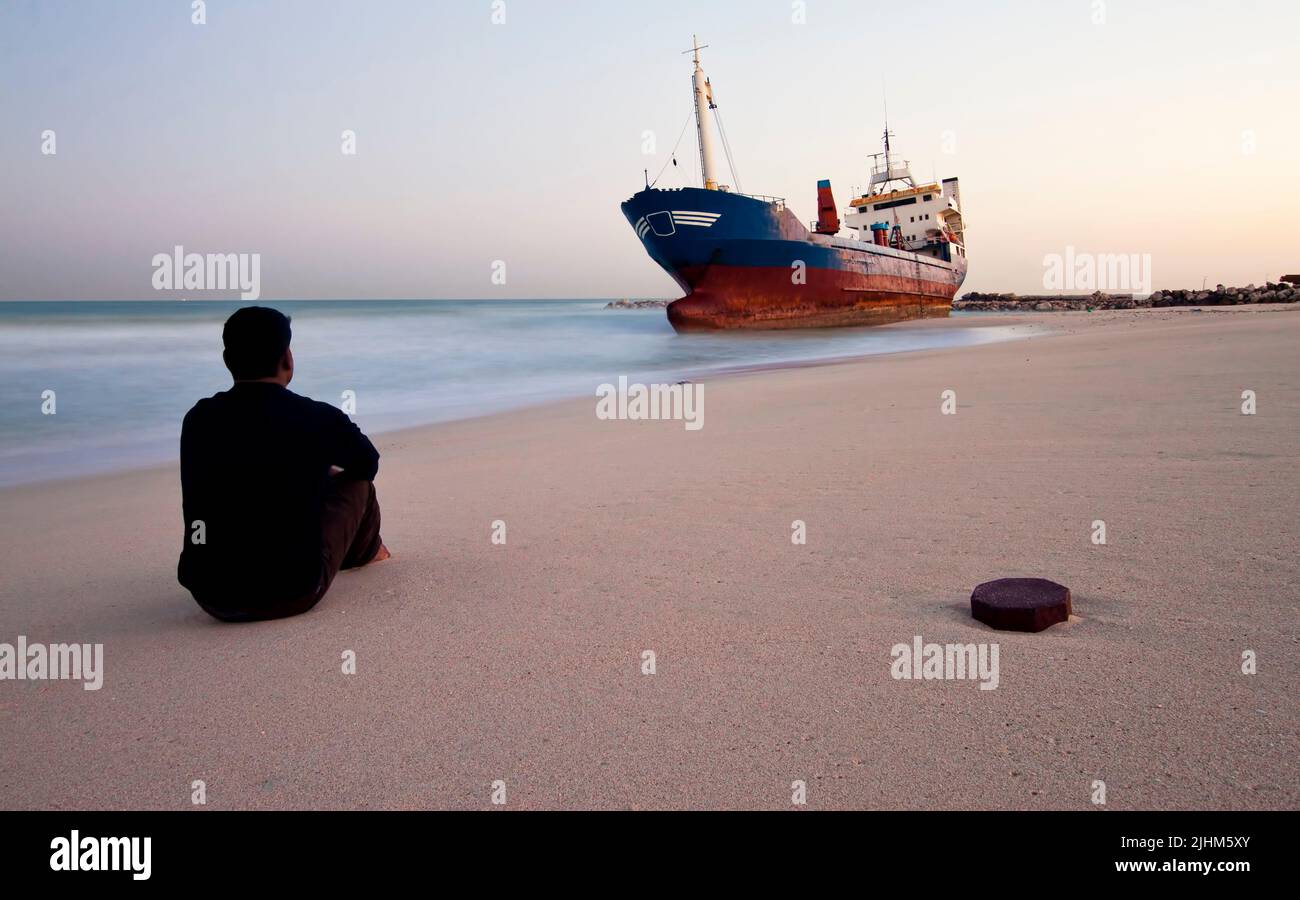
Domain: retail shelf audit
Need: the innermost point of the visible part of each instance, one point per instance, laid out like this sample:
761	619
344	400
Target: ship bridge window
893	203
927	196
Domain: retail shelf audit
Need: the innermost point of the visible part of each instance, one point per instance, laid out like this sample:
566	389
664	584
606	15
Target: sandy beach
522	662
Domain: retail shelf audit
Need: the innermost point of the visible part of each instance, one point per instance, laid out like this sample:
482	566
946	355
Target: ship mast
888	162
886	173
703	92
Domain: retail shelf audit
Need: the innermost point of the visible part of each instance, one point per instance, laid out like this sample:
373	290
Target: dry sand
523	662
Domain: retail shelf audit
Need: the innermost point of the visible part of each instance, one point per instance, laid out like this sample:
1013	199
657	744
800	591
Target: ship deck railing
764	197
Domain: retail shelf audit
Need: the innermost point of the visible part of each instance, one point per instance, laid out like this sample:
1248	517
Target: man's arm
350	450
192	495
191	445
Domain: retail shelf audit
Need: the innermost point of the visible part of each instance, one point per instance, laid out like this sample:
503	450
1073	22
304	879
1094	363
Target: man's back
255	469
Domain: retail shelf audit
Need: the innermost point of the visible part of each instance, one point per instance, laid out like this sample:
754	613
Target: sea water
123	374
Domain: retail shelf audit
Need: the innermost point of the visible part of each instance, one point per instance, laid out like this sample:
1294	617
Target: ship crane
703	92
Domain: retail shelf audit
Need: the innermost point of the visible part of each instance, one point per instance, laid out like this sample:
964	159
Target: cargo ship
747	261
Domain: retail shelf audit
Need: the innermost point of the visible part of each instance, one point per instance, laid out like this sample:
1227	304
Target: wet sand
523	663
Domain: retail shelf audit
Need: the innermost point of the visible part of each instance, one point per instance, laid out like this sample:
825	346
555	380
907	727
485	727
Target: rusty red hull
724	297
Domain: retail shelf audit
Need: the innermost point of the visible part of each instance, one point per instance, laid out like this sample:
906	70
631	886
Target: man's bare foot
381	554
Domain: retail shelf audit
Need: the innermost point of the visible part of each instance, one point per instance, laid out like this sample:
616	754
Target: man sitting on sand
277	489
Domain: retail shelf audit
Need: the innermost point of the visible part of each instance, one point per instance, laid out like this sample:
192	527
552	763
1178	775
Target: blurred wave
125	373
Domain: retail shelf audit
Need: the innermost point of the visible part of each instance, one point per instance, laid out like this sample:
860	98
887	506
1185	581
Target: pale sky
1168	129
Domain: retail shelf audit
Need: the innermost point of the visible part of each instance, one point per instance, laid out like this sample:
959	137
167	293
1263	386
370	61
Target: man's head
257	345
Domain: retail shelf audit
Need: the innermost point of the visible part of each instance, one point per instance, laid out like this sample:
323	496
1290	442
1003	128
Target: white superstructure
914	217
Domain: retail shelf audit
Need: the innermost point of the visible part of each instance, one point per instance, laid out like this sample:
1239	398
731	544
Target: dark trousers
349	540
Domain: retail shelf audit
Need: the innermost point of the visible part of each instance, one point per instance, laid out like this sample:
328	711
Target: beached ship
747	261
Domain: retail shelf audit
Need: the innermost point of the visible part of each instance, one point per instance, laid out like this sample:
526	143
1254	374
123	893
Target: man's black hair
256	338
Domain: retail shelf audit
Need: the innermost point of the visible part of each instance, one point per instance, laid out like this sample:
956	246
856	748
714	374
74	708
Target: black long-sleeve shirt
255	465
